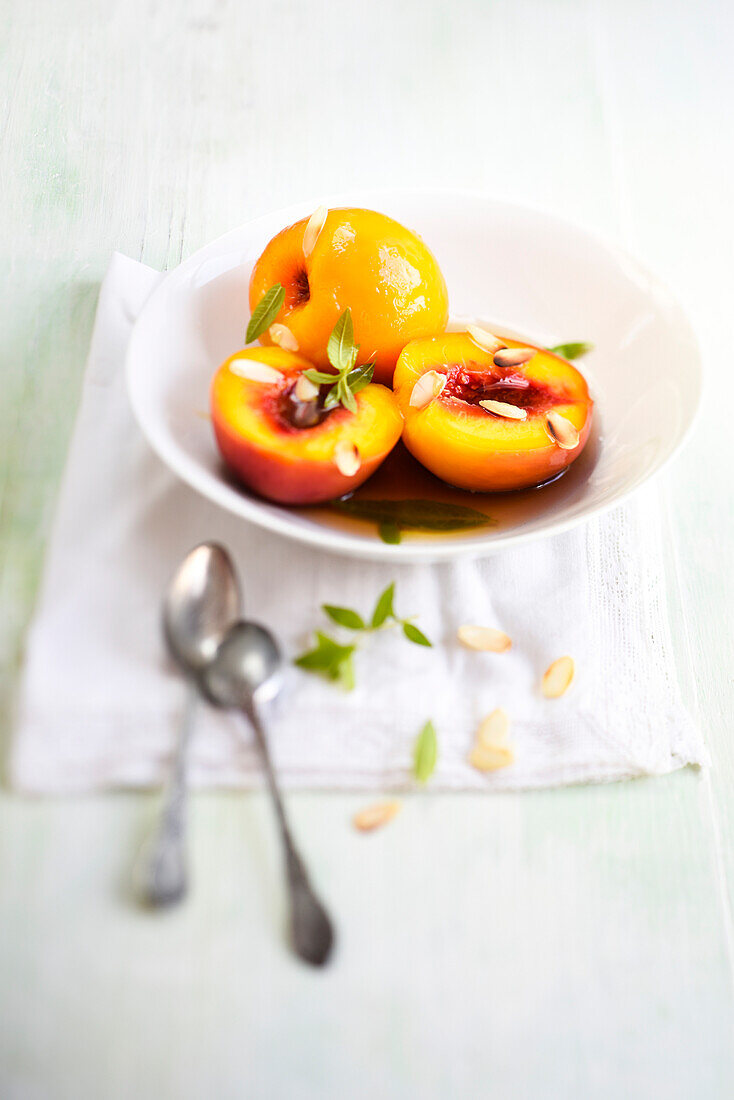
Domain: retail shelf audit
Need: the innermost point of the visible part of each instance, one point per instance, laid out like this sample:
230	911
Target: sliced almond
372	817
505	410
557	678
487	341
561	431
305	390
513	357
347	458
484	638
428	387
494	730
255	372
486	759
283	337
314	226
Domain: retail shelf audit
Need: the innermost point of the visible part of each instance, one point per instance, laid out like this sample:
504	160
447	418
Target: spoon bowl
202	601
248	664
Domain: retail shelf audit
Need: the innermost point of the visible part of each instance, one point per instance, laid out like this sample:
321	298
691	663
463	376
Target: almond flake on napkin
100	703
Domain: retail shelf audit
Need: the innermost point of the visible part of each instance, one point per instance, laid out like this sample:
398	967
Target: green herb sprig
333	660
394	516
572	351
425	753
330	659
384	611
265	312
349	379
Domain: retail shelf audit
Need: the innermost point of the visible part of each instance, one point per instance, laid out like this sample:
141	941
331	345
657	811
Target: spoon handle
311	927
162	874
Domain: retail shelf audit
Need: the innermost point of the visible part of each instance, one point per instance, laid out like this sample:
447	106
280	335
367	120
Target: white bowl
516	269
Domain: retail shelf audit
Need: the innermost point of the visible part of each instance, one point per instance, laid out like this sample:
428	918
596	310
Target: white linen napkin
100	702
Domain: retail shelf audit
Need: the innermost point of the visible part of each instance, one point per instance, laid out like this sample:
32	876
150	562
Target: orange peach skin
296	465
362	260
468	447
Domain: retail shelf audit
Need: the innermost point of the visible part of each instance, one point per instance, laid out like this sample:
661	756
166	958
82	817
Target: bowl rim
332	540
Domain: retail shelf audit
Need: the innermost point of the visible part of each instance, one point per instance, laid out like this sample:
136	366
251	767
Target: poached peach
275	435
491	418
357	259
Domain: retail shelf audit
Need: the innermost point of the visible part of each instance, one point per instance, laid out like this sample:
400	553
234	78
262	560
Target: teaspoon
245	673
201	603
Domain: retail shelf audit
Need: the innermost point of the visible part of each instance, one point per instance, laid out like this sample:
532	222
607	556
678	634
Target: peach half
356	259
492	415
274	434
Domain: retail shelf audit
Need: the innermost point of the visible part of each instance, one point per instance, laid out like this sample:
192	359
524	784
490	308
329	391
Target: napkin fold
100	703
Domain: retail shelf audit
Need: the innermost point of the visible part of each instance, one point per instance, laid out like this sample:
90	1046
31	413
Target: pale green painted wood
572	943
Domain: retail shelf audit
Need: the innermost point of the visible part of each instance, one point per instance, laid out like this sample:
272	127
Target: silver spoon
201	603
245	673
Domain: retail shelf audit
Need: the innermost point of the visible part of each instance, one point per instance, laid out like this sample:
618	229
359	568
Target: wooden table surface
571	943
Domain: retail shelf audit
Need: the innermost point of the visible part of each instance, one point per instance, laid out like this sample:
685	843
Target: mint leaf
346	396
422	515
329	659
360	377
340	348
319	377
346	673
265	312
342	352
425	753
389	532
335	661
383	608
332	399
344	616
413	634
572	351
326	657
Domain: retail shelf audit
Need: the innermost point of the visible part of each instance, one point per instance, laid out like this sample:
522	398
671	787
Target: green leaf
344	616
383	607
346	673
329	659
343	352
413	634
326	656
425	753
423	515
346	396
340	348
389	532
360	377
319	377
572	351
331	400
265	312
